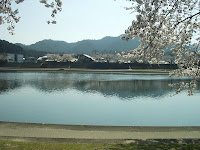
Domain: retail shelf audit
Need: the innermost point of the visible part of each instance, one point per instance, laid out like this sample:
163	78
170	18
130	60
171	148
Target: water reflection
122	86
95	99
6	85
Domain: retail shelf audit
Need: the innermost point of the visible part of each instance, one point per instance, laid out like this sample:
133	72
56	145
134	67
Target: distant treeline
6	47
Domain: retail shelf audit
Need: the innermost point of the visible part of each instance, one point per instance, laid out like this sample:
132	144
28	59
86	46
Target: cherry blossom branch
157	24
9	16
190	17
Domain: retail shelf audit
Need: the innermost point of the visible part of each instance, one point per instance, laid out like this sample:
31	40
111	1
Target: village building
85	58
15	58
30	60
42	59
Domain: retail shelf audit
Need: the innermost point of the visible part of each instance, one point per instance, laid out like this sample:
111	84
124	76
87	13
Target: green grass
11	145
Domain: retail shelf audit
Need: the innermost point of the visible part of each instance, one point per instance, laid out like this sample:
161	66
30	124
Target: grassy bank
12	145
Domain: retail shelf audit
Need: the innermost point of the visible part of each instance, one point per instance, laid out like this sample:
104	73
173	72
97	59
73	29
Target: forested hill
106	44
6	47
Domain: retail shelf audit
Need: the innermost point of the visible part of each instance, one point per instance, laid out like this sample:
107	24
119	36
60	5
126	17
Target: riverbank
55	133
82	70
13	145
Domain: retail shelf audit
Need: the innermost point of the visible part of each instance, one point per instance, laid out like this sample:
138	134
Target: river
96	99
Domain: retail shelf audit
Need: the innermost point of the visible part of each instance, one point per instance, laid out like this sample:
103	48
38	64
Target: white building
15	58
11	58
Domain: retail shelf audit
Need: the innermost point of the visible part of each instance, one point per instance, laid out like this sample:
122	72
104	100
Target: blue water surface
96	99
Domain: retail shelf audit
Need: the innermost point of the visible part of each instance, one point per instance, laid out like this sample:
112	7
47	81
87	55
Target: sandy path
26	130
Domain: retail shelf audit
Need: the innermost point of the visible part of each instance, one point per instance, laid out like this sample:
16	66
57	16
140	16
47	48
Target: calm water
96	99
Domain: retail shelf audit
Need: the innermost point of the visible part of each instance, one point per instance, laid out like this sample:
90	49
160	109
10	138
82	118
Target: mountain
6	47
85	46
50	46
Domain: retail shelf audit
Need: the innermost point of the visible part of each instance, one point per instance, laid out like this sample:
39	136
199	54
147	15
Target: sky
78	20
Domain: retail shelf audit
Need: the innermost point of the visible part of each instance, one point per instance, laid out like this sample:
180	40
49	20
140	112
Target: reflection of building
15	58
85	58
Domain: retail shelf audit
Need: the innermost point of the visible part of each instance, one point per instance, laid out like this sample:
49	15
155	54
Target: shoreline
59	133
83	70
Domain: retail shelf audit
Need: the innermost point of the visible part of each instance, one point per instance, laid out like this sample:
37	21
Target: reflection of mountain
6	85
121	88
128	88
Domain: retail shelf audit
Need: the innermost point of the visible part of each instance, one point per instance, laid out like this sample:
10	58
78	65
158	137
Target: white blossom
174	23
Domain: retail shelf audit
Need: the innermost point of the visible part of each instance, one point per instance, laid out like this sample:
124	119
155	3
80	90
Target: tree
68	57
54	57
158	23
8	15
163	23
3	57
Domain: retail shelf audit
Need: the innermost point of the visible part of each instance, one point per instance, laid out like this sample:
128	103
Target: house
85	58
42	59
11	58
19	58
15	58
30	60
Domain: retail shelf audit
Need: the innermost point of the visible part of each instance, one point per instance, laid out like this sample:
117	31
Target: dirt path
59	133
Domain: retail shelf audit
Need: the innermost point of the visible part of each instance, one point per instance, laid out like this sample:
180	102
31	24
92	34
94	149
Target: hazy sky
79	19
